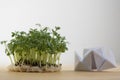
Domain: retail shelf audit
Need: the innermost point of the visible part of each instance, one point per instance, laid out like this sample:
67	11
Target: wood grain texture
65	74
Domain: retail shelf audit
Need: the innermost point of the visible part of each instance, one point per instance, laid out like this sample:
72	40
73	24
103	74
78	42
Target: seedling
39	47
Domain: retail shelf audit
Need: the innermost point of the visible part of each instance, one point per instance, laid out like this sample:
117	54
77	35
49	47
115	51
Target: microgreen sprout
38	47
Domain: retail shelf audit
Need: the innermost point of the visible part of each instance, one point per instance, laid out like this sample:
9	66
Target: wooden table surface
63	75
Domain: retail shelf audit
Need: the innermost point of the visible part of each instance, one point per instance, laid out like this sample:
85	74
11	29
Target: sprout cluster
38	47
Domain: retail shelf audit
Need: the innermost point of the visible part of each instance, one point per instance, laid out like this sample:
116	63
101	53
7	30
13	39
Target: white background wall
85	23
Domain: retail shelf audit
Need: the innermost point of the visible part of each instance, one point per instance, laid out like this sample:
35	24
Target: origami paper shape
94	59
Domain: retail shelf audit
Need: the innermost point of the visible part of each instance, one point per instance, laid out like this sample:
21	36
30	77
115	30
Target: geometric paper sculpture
94	59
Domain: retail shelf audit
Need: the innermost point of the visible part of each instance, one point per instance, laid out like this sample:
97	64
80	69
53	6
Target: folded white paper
94	59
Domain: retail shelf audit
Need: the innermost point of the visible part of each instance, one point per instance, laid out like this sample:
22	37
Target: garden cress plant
39	47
